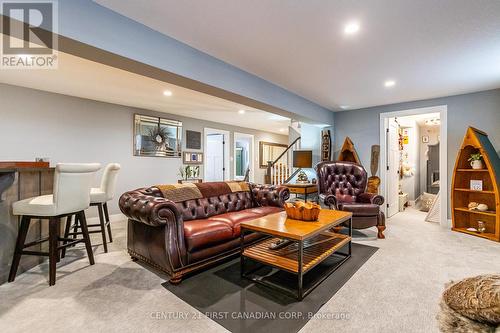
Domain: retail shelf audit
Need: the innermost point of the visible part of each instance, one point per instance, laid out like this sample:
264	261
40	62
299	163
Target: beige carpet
397	290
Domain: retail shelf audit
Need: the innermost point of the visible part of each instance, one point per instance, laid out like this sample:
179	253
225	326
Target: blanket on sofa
191	191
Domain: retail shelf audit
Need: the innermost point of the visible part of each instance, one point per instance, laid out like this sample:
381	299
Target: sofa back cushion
345	180
202	200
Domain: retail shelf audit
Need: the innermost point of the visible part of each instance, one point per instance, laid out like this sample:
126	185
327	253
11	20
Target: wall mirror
270	151
158	137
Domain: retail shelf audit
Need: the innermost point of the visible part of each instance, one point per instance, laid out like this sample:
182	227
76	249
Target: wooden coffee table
312	243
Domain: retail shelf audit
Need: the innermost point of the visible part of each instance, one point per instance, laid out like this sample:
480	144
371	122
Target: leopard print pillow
477	298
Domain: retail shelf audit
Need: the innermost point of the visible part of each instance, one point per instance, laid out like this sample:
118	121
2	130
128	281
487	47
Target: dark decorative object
193	140
157	136
326	146
302	177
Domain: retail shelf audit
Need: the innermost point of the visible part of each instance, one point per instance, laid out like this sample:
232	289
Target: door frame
443	154
227	156
251	153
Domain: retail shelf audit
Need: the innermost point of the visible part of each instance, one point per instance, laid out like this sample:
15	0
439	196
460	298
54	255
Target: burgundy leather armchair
181	237
342	186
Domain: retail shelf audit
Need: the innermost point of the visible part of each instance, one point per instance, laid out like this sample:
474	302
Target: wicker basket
304	211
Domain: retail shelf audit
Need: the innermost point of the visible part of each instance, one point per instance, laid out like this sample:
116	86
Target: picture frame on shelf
476	185
192	157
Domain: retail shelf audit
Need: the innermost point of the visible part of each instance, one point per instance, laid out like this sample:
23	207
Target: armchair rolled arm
329	200
371	198
155	211
270	195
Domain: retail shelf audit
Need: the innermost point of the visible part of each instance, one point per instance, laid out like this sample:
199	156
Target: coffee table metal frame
301	292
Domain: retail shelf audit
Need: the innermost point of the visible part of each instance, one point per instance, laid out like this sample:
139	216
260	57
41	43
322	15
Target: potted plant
476	161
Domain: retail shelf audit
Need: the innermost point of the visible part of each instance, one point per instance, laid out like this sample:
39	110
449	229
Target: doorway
244	160
216	165
413	160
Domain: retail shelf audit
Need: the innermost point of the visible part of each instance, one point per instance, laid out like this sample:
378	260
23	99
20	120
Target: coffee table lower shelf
297	258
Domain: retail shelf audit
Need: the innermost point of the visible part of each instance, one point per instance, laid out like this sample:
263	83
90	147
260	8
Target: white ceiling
431	48
420	119
87	79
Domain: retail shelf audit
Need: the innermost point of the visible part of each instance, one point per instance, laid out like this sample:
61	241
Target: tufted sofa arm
144	206
329	200
371	198
269	195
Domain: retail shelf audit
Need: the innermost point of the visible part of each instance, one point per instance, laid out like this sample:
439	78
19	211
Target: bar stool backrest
108	182
72	183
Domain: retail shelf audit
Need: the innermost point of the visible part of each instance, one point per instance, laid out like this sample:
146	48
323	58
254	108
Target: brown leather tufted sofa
179	238
342	186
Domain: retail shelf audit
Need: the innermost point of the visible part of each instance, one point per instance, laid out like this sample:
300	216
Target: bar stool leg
75	226
108	224
103	227
66	234
53	252
21	238
86	237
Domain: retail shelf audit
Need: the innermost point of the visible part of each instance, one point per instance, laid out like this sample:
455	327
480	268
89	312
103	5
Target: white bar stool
99	198
71	196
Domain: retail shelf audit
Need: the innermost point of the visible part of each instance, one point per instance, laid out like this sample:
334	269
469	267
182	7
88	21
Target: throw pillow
425	201
477	298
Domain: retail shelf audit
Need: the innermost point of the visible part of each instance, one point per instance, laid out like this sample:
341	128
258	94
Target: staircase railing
277	171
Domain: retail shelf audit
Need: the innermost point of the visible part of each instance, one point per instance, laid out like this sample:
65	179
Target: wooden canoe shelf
348	153
476	141
323	246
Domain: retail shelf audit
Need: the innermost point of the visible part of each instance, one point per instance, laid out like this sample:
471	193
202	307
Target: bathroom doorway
414	162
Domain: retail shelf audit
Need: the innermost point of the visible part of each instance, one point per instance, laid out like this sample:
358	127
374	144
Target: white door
392	168
214	158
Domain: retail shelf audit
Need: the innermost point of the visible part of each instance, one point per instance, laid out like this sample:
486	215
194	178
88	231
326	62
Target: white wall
34	124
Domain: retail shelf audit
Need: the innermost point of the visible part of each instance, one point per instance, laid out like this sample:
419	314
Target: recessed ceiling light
282	129
344	107
351	28
167	93
241	111
389	83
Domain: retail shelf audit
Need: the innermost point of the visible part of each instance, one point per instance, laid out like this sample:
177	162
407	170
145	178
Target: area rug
243	306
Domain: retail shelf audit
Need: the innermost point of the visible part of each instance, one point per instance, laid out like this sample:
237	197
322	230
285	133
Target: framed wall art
192	157
193	139
157	137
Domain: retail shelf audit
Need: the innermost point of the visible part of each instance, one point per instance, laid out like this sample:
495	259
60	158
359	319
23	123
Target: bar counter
18	181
